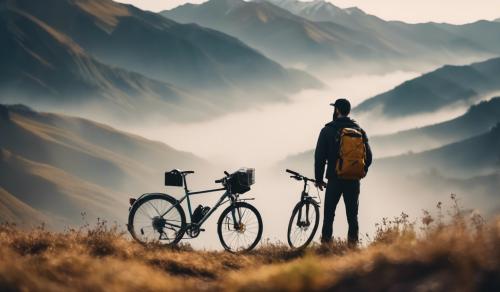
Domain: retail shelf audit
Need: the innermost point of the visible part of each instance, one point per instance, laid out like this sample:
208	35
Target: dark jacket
327	148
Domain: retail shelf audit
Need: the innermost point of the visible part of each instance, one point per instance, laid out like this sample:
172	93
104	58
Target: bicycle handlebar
218	181
299	176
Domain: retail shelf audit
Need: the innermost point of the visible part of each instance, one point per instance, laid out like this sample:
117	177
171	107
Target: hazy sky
452	11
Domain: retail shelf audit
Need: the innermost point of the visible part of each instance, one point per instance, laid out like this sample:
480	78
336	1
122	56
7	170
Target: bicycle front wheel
157	218
239	227
303	224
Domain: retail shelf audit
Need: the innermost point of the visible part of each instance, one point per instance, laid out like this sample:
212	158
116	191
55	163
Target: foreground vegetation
457	253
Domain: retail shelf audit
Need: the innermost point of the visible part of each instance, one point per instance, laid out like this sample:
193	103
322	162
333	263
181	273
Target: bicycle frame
227	196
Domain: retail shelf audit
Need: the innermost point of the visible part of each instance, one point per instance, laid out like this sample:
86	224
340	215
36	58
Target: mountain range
74	51
470	168
57	167
475	156
318	34
478	36
279	33
477	120
439	89
454	147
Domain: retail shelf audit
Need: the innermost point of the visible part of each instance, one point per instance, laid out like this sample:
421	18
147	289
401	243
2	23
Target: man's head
342	107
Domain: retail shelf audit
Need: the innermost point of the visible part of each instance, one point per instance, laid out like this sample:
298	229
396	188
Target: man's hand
320	185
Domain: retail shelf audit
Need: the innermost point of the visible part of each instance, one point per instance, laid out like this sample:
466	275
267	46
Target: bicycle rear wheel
239	227
147	224
303	224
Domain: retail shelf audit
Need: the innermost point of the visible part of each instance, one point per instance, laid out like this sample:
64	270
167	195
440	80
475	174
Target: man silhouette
327	151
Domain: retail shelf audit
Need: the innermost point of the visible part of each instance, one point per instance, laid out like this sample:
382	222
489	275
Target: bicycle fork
236	212
300	222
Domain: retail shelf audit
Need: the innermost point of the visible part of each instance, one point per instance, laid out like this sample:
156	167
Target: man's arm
320	156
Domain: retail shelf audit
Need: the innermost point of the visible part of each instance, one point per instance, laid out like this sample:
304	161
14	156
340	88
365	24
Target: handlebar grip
292	172
218	181
226	173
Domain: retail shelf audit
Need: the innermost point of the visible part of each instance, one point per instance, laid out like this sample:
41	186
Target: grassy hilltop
459	255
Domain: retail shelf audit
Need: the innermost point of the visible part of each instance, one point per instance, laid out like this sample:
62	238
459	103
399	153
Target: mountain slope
14	210
281	34
321	35
319	10
62	166
428	40
475	156
478	119
446	86
470	167
185	55
43	66
61	197
465	146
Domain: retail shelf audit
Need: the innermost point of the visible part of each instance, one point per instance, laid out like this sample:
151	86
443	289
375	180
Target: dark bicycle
305	216
160	218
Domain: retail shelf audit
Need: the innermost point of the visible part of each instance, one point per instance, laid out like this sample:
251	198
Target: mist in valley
270	132
217	103
265	136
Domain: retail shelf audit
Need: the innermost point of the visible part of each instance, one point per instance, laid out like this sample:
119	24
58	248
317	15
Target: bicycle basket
241	180
174	178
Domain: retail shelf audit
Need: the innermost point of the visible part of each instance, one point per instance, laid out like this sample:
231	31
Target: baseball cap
343	105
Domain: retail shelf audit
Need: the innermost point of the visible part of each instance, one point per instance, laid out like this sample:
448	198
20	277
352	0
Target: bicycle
305	216
160	218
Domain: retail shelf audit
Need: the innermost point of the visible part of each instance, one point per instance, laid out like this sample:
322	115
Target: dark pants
350	191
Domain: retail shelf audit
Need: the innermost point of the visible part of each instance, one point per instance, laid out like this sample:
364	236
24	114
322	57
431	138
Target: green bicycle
160	218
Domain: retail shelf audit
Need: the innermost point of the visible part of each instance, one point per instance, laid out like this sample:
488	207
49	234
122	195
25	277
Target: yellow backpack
352	154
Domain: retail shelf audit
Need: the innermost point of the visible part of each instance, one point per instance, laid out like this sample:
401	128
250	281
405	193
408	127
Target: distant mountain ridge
62	166
477	120
476	155
322	35
48	66
14	210
137	60
320	10
481	119
436	90
279	33
470	157
478	36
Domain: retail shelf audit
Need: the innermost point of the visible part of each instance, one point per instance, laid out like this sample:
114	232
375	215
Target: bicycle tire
157	196
291	223
220	224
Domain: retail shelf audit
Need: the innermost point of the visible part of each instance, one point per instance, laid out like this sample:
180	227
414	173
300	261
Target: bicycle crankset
193	231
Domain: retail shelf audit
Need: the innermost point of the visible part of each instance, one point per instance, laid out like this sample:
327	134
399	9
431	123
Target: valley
98	99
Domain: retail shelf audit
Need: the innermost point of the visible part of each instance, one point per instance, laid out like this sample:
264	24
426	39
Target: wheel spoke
247	233
155	228
300	235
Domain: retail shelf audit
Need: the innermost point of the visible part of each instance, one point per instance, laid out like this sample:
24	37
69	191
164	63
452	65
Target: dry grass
461	253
